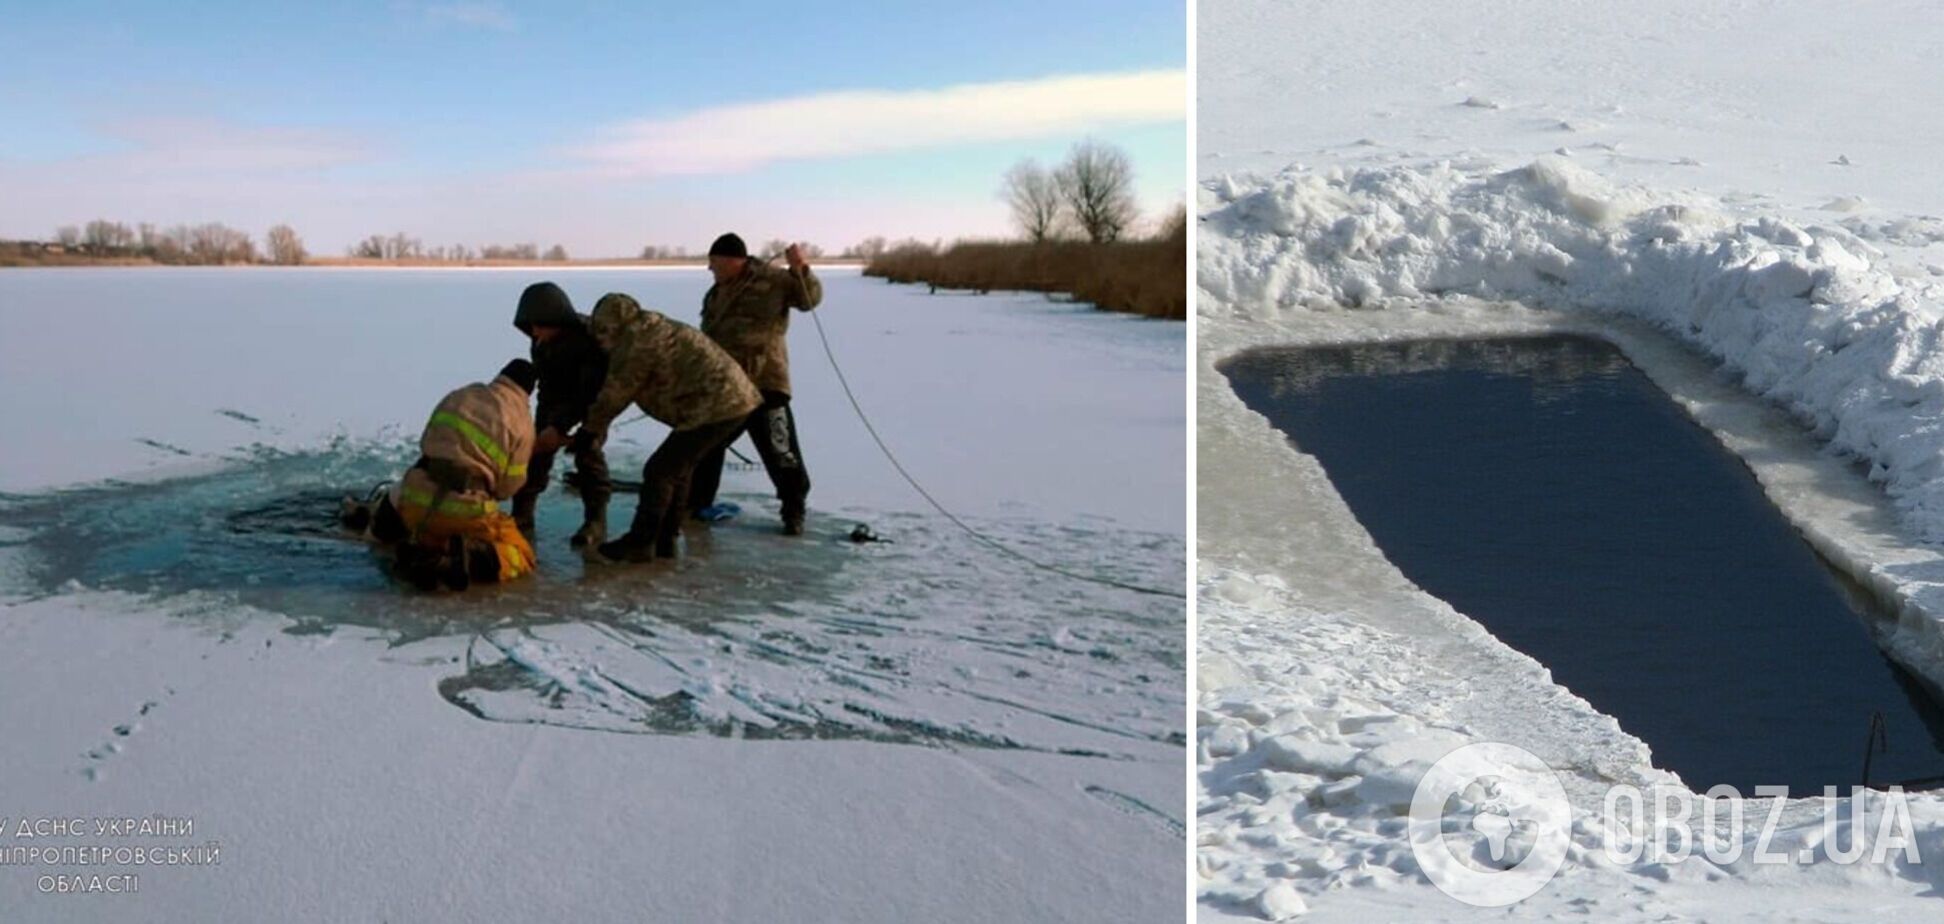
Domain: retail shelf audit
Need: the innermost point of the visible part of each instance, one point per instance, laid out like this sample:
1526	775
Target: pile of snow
1800	313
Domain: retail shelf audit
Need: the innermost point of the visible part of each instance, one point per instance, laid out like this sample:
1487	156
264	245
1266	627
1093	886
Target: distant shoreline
69	261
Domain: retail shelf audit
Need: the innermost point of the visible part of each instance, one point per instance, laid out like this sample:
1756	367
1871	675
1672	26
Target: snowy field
1737	194
774	729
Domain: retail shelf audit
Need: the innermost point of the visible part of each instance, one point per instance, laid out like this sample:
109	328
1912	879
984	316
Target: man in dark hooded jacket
571	368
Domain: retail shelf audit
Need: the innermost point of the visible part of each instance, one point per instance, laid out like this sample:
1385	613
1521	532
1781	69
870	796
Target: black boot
793	519
632	547
593	529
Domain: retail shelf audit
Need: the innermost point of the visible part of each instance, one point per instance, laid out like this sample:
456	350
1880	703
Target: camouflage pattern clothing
674	372
750	317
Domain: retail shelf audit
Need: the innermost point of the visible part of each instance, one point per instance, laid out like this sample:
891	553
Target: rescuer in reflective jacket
443	516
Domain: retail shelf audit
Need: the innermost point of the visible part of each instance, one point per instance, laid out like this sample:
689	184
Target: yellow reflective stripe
478	438
516	471
450	507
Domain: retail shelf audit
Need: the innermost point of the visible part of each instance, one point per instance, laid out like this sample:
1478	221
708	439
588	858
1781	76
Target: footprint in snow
117	741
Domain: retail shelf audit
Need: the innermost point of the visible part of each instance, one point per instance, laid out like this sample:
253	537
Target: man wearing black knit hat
747	312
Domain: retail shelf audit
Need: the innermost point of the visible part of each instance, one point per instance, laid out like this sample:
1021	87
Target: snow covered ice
1656	177
774	729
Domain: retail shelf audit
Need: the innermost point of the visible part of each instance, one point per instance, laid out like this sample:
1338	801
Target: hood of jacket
614	315
545	305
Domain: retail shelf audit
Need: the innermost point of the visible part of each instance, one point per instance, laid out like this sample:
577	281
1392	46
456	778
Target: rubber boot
793	519
632	548
593	529
638	543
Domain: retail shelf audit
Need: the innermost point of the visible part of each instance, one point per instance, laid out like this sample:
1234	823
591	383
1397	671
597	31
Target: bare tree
514	252
67	235
146	239
867	248
402	246
216	243
371	248
285	247
1097	184
557	254
104	235
1033	194
773	248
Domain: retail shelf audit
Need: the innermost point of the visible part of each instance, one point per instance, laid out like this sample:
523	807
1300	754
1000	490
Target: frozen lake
1002	403
904	723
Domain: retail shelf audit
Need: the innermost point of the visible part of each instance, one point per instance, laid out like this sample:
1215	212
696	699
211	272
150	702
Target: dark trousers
772	428
589	461
666	479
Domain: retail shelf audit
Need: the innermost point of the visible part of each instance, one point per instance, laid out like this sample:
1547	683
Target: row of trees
1089	196
216	243
402	246
210	243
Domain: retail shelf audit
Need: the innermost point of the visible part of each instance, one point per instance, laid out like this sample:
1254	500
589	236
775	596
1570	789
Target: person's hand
549	440
794	254
586	440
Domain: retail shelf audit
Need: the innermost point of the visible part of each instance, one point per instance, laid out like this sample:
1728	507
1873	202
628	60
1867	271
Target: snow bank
1304	749
1800	313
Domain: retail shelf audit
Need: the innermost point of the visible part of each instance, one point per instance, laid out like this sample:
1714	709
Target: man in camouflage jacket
747	311
680	377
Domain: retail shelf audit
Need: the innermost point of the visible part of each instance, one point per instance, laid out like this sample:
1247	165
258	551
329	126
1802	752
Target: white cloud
743	136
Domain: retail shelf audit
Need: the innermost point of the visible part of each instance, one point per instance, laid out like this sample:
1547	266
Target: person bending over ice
442	517
680	377
571	367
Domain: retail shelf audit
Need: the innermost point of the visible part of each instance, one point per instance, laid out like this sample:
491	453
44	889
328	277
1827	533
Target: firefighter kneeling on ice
443	518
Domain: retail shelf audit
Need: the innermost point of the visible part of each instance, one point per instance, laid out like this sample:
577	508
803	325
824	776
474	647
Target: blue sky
602	126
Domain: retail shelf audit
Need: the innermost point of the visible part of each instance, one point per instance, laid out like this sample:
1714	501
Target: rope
949	515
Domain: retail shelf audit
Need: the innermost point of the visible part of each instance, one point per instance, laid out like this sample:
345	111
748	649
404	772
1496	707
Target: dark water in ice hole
1548	489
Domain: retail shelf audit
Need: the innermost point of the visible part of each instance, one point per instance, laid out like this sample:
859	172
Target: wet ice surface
925	639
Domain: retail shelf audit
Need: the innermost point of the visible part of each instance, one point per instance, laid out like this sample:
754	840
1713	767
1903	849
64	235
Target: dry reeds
1144	277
